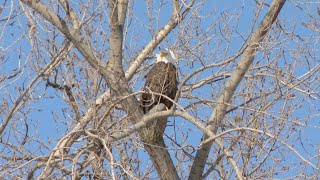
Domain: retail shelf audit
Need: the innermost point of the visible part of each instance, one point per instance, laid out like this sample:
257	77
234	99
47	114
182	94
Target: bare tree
72	74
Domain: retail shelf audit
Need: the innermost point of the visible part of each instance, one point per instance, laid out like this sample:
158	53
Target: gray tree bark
114	75
235	79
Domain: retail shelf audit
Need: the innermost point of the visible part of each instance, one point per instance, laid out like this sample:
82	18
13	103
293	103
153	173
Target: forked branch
230	87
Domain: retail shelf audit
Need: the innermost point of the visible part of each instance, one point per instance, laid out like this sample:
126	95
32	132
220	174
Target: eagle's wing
162	79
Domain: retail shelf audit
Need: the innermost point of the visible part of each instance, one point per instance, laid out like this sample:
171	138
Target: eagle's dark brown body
162	79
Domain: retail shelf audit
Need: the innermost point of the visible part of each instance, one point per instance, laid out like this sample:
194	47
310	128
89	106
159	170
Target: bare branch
156	41
122	11
70	13
244	64
45	71
90	123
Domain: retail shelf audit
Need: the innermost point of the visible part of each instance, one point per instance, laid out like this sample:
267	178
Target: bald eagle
161	82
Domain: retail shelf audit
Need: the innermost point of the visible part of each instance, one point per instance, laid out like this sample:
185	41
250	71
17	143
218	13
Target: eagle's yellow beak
163	54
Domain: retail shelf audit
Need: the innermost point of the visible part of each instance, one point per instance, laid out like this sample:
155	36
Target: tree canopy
72	74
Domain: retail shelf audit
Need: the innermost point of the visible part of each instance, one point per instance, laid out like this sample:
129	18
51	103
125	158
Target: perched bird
161	82
161	87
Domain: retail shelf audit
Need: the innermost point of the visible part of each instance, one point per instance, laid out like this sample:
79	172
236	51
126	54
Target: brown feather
162	79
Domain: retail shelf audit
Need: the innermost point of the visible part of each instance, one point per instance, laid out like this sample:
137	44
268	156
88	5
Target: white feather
161	59
172	54
169	58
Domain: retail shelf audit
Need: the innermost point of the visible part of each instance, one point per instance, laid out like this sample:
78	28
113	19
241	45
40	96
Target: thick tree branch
122	11
108	134
245	62
147	50
143	123
113	74
116	36
73	36
70	33
71	14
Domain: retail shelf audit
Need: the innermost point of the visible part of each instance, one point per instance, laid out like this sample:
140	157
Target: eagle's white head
166	56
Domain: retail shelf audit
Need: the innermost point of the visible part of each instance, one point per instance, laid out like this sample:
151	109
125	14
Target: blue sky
43	110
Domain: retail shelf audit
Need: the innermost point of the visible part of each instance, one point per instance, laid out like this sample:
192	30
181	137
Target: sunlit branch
231	85
44	72
147	50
